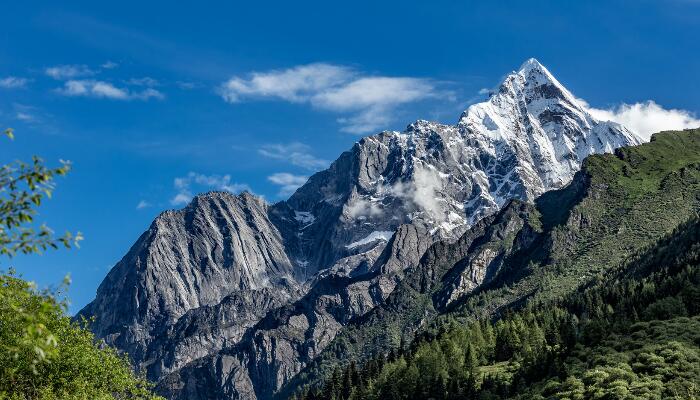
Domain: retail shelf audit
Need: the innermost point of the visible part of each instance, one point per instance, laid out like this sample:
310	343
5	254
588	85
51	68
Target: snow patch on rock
371	238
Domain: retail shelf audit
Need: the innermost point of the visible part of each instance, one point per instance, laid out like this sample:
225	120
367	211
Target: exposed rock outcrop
231	297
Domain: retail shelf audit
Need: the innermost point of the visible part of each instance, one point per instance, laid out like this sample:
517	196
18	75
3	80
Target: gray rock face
205	330
232	297
218	245
428	287
479	261
286	340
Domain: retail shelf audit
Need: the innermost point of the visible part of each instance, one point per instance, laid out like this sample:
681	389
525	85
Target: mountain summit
548	130
214	277
529	137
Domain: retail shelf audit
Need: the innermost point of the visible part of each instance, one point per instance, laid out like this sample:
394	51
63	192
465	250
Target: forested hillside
602	302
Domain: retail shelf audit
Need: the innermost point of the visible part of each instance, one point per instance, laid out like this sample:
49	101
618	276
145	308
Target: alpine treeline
631	334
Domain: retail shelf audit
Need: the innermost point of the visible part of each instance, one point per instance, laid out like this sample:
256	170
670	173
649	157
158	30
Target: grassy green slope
619	204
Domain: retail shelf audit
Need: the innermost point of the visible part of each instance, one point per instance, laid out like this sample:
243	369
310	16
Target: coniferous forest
635	335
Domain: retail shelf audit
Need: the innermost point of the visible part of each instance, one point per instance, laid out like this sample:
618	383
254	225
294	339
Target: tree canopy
45	355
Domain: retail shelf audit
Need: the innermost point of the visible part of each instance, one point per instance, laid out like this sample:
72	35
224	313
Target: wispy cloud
646	118
90	88
295	153
145	81
102	89
372	100
109	65
195	182
34	116
142	204
288	182
13	82
368	101
24	116
369	92
154	50
26	113
297	84
61	72
185	85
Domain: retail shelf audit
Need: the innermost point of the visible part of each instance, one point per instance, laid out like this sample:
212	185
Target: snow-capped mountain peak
544	124
530	136
396	191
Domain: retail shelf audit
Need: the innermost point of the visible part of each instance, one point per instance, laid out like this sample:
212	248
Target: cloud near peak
295	153
288	183
646	118
366	101
194	182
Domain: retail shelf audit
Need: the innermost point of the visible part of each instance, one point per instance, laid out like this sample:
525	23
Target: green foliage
668	307
656	359
23	186
43	354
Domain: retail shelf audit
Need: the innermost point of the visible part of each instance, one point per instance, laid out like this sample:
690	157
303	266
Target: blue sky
156	101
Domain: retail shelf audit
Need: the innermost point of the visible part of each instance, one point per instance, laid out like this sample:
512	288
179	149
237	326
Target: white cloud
288	182
369	120
68	71
101	89
24	116
109	65
372	100
646	118
27	114
295	153
93	89
146	94
426	193
369	100
422	191
13	82
181	199
145	81
362	208
295	84
142	204
194	181
484	91
187	85
370	92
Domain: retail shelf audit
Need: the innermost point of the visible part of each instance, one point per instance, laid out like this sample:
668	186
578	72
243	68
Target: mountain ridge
431	182
618	204
634	301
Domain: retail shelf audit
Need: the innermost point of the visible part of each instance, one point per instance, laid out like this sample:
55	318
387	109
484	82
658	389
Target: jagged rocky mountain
624	216
231	297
